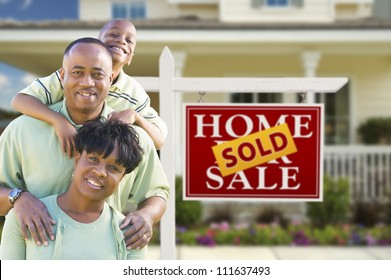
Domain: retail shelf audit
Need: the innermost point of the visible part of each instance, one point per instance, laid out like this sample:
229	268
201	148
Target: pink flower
224	226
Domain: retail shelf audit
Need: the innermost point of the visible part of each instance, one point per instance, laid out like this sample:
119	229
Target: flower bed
273	234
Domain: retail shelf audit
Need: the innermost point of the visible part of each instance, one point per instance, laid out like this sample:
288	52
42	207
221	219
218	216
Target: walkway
276	253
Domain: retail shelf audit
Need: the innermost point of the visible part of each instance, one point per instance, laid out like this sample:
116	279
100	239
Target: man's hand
34	218
140	230
141	222
128	116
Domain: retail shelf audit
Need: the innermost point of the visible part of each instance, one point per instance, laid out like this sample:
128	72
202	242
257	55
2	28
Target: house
250	38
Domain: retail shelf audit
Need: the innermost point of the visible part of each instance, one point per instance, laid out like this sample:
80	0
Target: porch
367	168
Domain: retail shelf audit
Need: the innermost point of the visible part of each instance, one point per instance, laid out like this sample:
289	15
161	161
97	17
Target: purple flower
252	231
299	238
355	238
385	242
181	229
206	240
370	240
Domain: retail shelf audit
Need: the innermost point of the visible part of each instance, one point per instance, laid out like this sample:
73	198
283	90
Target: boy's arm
154	132
31	106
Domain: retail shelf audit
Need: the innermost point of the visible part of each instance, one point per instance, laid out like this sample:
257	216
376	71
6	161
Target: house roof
195	23
41	52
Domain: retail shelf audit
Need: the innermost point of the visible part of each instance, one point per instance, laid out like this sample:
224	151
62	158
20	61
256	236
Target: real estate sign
253	152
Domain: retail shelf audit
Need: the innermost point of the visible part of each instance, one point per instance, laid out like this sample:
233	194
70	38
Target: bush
376	130
221	213
335	206
369	213
272	215
187	213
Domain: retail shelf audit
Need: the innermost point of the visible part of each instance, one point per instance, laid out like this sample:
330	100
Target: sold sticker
254	149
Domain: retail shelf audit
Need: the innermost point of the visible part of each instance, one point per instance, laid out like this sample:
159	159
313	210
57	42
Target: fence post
167	153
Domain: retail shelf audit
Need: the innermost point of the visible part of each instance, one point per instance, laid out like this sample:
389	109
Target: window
279	3
276	3
133	9
251	97
336	109
137	9
118	10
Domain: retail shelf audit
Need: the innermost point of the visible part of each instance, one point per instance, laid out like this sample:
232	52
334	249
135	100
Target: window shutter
297	3
257	3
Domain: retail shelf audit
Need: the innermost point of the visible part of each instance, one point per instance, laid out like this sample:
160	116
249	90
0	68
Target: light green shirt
31	158
125	93
100	240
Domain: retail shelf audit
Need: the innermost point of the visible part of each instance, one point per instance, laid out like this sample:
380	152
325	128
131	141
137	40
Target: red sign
255	152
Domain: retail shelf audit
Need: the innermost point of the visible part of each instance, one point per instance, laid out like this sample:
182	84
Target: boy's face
86	76
120	37
96	177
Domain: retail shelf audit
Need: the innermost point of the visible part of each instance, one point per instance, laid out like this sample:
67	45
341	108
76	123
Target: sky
34	10
12	80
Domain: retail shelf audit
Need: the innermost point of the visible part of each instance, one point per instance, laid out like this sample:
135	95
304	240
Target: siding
353	10
374	97
158	9
161	9
94	9
242	11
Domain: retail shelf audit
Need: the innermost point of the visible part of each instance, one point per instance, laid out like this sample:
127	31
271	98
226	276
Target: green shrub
272	215
369	213
376	130
222	213
187	237
335	206
187	213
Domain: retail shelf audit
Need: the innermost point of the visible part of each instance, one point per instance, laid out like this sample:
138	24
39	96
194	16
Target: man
31	158
126	96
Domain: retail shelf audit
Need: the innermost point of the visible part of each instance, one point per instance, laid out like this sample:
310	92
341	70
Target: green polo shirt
101	239
125	93
31	158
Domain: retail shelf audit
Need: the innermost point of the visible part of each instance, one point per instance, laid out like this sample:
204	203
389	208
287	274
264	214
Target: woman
86	226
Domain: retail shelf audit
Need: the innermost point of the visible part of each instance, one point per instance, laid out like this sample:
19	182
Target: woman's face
96	177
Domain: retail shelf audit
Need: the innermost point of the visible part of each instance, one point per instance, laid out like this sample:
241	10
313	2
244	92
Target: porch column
179	62
310	60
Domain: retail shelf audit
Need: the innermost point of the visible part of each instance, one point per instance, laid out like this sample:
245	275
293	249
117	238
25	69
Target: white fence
167	85
368	169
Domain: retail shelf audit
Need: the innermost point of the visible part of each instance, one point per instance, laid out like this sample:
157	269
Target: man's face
120	37
86	76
